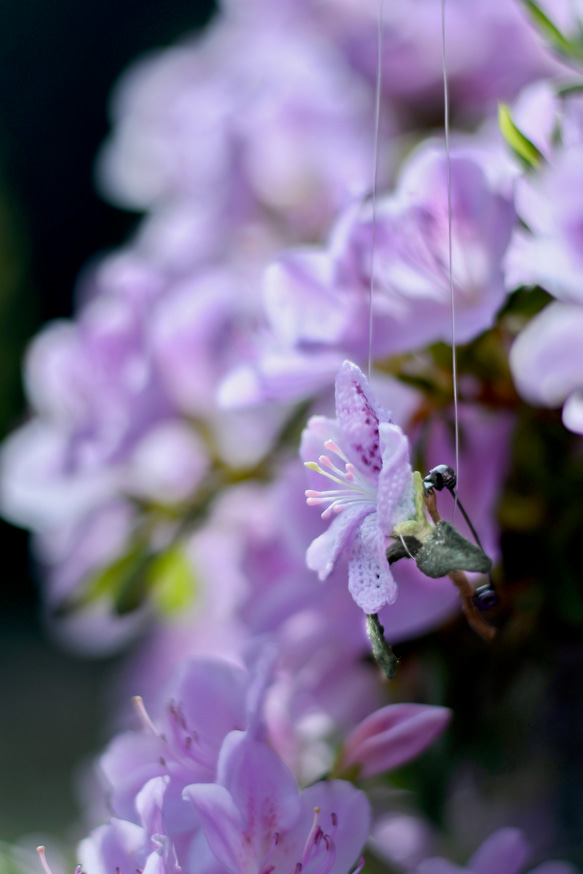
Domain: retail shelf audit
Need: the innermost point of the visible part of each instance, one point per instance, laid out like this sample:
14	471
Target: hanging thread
375	164
450	246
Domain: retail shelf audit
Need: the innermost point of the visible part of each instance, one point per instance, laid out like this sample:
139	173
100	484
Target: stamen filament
311	839
329	857
274	843
44	863
144	716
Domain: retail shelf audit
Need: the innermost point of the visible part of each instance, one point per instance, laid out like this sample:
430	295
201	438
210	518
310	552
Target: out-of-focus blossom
504	852
167	464
547	362
492	49
252	118
318	301
412	261
402	839
124	416
549	253
372	497
95	392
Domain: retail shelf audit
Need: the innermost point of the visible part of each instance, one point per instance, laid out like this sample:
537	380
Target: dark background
58	62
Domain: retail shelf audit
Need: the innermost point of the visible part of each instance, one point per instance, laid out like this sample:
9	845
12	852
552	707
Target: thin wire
450	247
375	164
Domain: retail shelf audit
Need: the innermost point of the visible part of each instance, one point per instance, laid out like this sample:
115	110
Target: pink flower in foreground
371	497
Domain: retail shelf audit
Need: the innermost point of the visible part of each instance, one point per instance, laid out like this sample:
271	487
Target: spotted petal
370	580
359	415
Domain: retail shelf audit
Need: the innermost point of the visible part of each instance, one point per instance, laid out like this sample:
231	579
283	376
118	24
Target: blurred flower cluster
160	470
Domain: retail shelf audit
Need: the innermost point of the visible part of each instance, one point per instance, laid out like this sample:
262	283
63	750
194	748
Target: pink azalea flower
371	496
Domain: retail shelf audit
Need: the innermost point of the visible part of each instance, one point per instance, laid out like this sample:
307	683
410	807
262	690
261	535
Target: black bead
485	597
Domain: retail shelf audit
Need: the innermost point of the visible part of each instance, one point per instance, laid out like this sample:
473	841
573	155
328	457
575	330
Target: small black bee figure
443	477
443	553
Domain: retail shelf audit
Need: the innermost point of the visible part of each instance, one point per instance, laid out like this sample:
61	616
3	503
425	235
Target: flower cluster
159	468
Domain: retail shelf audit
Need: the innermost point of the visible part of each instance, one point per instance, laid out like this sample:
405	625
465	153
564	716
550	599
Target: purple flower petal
573	412
422	603
119	844
257	799
262	787
222	824
222	687
301	301
149	803
547	356
394	478
128	763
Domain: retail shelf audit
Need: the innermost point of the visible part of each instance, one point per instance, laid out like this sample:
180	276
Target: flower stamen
356	489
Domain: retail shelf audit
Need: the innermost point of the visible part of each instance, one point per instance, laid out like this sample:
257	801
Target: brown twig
473	616
431	504
462	584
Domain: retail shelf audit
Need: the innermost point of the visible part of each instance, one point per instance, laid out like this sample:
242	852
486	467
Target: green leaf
522	147
550	31
166	576
124	581
171	580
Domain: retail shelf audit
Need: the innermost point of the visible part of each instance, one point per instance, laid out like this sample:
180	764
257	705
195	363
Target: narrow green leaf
549	30
522	147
